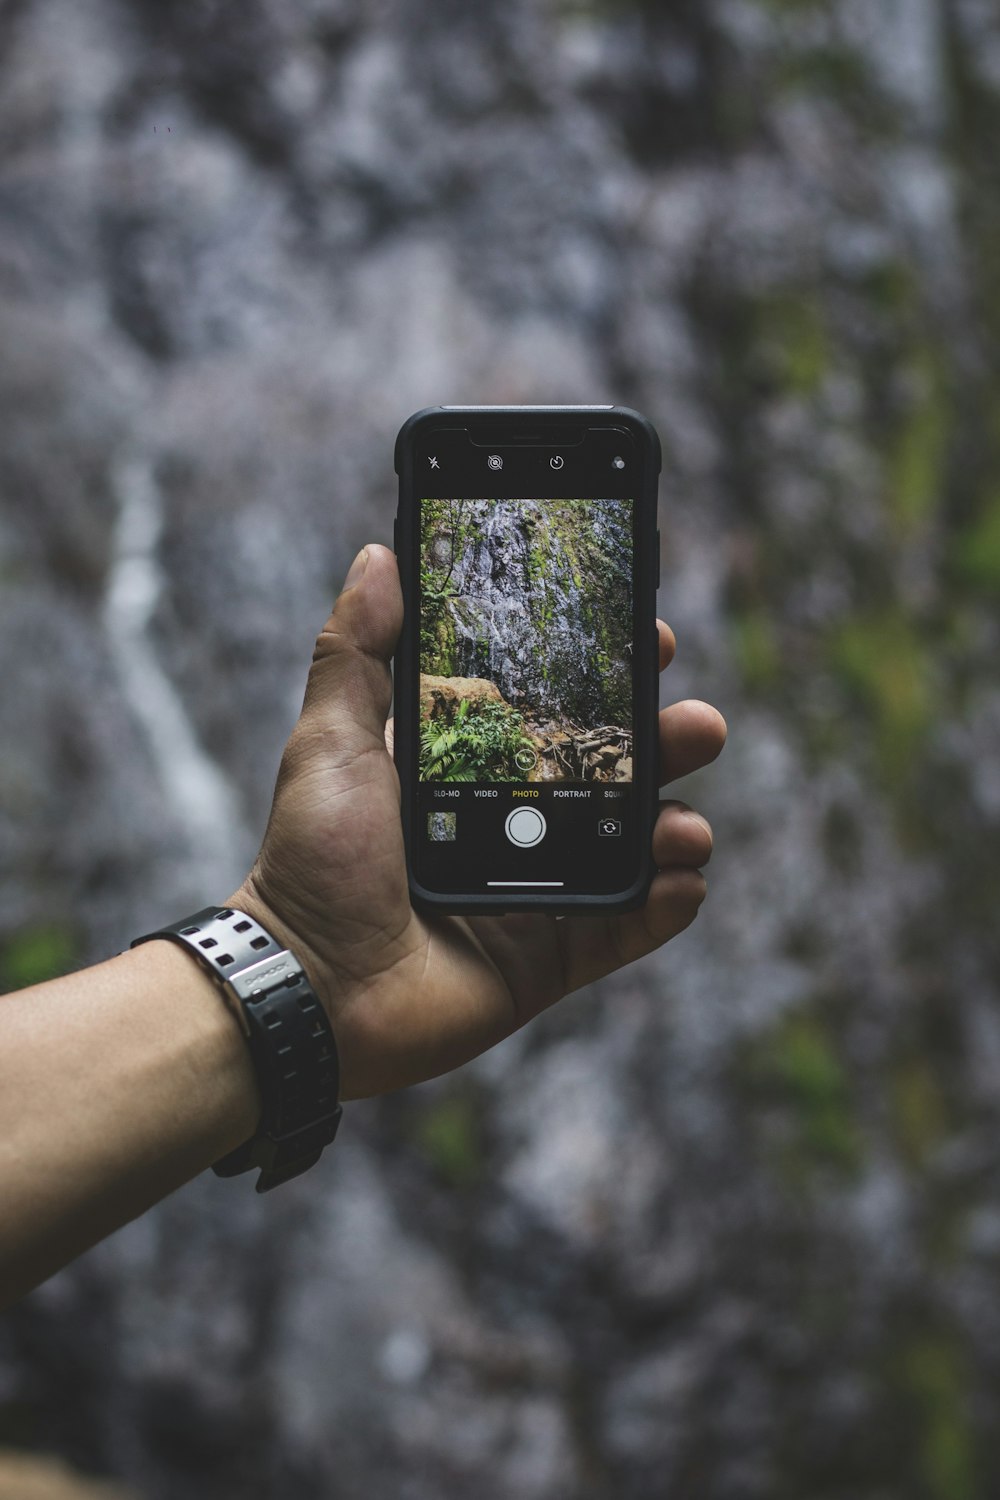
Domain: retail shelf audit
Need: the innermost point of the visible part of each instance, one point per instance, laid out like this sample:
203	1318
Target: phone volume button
395	535
657	558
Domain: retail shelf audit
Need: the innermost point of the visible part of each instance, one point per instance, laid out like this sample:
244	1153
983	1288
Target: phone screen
526	693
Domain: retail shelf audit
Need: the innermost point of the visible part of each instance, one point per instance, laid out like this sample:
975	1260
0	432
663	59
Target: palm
413	996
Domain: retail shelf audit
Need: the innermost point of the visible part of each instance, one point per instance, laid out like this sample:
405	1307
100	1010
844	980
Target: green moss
439	657
892	287
798	1065
538	558
919	1117
450	1136
919	451
441	521
838	72
35	954
934	1379
976	550
807	1064
793	333
756	647
882	660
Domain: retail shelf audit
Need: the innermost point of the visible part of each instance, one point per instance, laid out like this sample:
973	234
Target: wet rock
536	596
718	1222
441	697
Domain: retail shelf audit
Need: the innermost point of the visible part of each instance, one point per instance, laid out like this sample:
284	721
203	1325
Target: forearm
117	1085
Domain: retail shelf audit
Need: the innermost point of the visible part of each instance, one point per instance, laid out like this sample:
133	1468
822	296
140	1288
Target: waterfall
195	789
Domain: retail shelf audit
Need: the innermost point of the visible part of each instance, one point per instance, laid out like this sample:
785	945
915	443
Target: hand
410	996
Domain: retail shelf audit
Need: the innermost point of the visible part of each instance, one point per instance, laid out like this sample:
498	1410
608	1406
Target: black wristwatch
290	1038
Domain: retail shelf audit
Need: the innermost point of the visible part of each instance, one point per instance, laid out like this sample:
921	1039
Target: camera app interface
526	641
526	689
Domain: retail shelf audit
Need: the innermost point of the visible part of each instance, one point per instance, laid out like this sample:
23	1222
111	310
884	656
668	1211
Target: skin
123	1081
412	996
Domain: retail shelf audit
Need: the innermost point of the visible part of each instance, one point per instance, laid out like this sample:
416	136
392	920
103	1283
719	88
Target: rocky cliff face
535	595
726	1226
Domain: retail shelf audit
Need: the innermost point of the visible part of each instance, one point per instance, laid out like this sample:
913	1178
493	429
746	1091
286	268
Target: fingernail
703	823
356	572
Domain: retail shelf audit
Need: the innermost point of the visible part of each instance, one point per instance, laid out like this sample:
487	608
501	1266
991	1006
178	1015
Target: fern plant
478	745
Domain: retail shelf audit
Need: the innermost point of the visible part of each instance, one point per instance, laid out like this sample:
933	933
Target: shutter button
525	826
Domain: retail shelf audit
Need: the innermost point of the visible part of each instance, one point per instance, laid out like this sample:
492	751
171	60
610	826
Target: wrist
287	1032
224	1104
252	900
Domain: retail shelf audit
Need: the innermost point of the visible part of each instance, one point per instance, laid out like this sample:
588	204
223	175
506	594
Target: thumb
349	689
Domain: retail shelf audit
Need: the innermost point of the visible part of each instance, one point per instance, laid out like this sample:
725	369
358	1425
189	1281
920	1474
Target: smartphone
526	677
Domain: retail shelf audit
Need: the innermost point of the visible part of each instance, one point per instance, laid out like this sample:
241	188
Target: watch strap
289	1035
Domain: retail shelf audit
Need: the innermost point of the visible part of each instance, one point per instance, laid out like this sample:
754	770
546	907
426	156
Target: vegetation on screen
525	640
479	744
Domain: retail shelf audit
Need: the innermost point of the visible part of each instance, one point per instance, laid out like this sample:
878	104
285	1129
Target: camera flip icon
609	828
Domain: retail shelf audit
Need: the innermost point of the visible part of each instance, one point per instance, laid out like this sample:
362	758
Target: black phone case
406	543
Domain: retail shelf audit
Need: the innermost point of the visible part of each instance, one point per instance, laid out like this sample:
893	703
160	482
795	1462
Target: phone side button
395	536
657	558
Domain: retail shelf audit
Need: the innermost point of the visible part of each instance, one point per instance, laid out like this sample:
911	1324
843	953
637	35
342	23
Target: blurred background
728	1225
